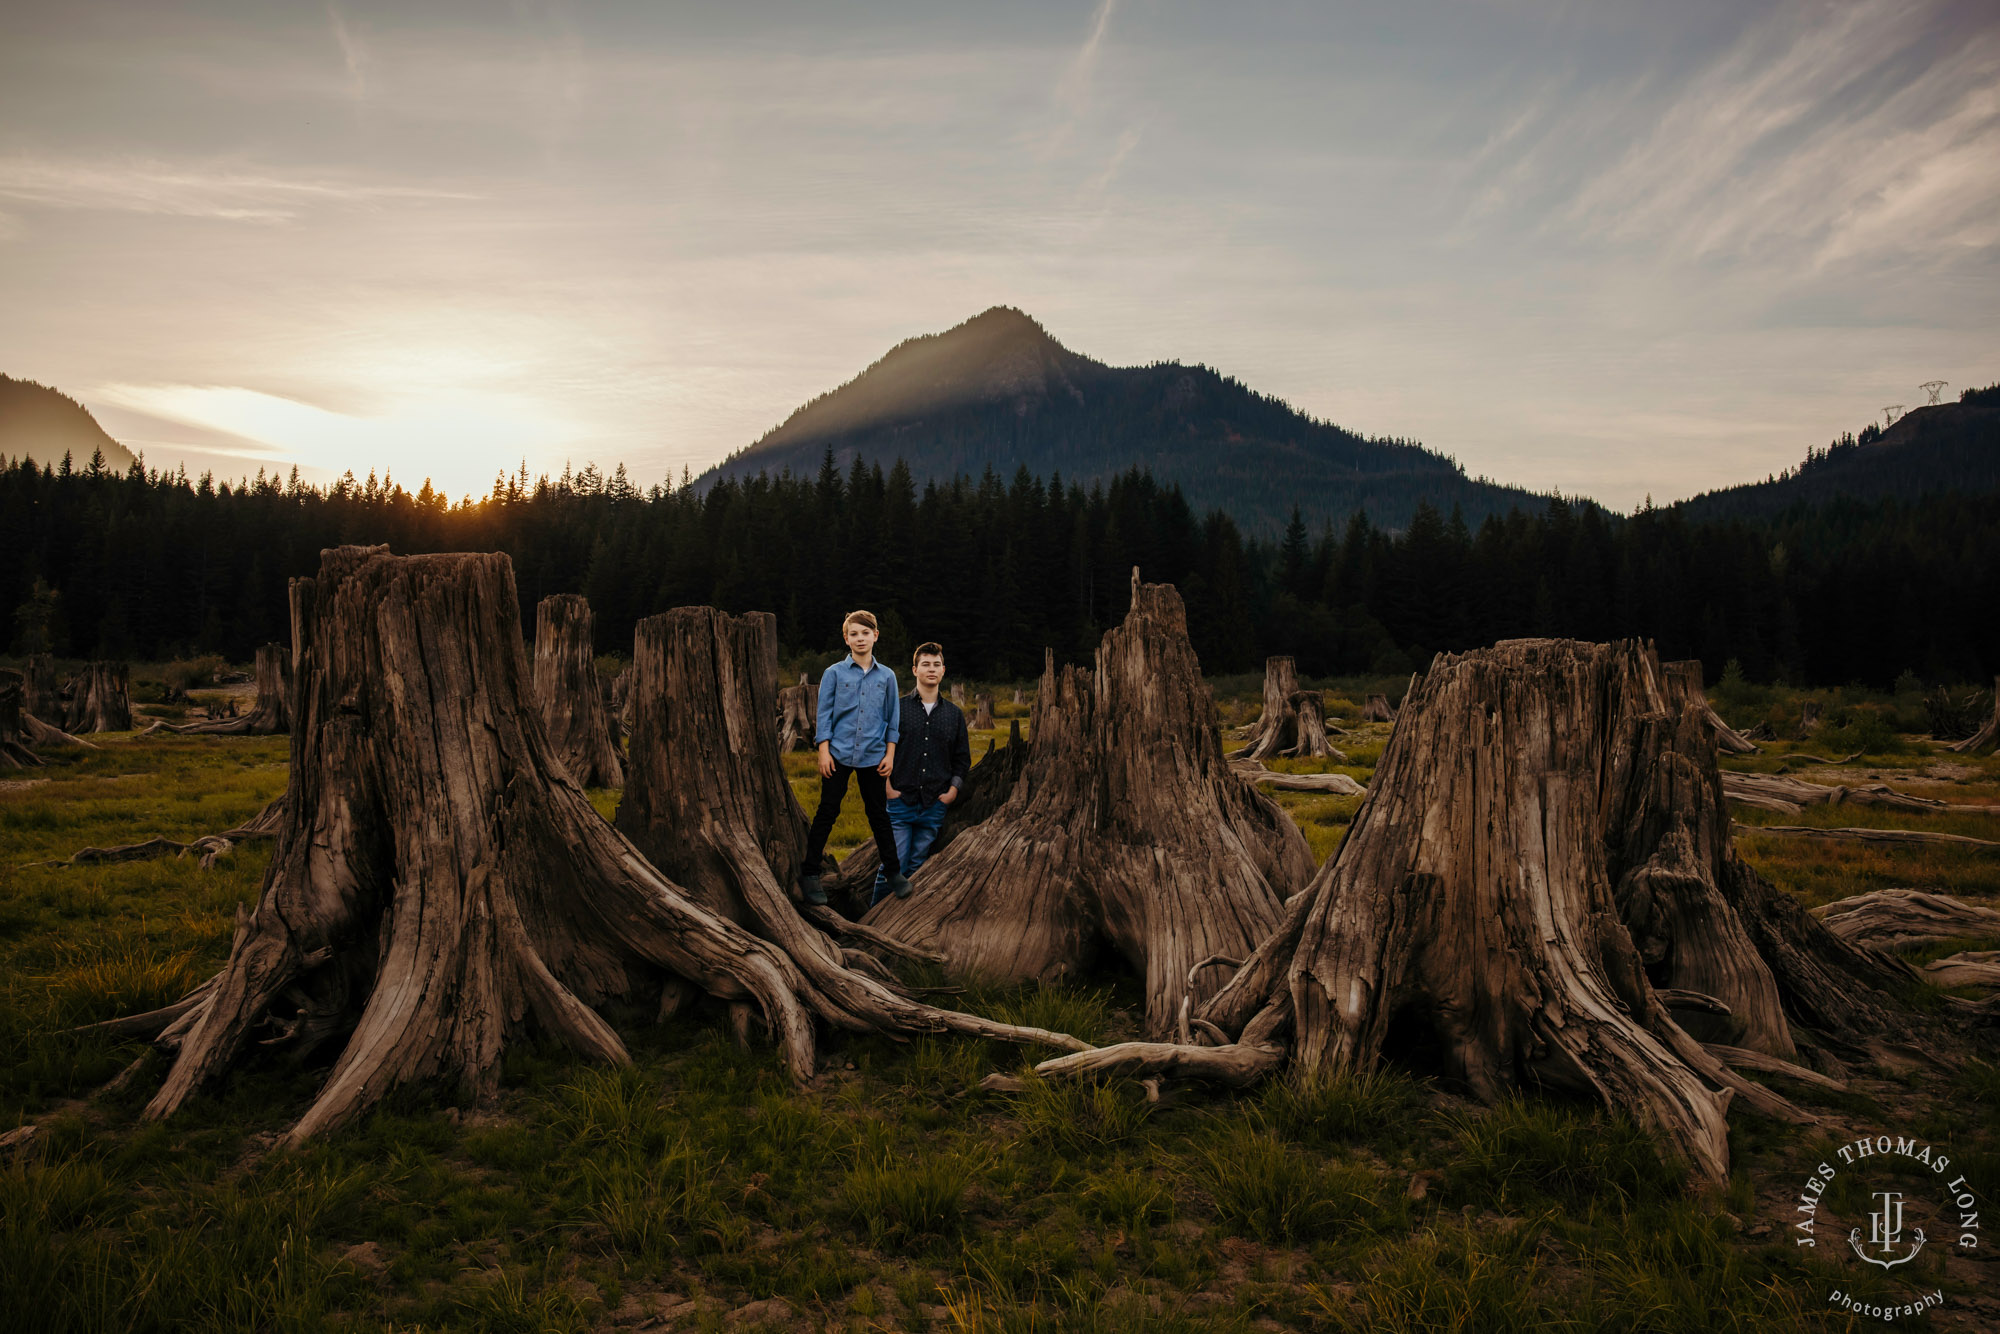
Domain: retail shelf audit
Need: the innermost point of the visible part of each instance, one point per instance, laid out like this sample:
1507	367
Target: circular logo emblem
1873	1208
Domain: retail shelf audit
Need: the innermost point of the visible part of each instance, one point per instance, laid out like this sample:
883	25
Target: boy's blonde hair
866	618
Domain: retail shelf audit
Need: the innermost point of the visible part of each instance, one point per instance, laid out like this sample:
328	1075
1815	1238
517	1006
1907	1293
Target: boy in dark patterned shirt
933	757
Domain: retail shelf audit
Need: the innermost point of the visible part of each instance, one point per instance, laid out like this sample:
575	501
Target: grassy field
701	1189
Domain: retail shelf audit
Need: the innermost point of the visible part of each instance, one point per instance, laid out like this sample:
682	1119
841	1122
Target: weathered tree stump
1281	682
441	883
1378	710
273	710
1727	738
958	693
1808	718
982	714
1125	829
1020	697
1987	736
798	715
569	695
41	692
1298	730
14	752
100	699
1542	877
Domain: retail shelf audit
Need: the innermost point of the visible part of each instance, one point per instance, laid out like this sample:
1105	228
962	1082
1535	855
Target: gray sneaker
899	885
814	894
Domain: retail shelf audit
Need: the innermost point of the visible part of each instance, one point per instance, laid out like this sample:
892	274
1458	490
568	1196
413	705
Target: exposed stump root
441	884
1126	829
1906	919
265	824
1542	878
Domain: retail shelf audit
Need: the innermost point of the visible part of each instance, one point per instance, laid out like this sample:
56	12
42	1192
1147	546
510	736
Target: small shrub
1080	1116
1378	1106
1084	1015
1128	1199
1281	1196
1451	1278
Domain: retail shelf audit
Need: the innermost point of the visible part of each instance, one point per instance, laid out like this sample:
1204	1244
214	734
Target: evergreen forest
95	562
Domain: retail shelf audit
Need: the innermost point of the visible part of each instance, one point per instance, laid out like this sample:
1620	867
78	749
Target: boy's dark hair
927	649
866	618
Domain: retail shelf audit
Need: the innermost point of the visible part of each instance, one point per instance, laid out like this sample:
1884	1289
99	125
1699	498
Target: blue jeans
915	828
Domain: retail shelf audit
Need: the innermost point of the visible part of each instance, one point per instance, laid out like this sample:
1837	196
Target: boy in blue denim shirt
857	731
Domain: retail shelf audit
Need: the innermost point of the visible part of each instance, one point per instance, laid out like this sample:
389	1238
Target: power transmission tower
1890	413
1933	388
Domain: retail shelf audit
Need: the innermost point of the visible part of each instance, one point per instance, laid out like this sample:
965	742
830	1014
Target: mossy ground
700	1189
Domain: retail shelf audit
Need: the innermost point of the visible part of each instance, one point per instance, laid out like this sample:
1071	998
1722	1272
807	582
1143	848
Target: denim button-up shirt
857	712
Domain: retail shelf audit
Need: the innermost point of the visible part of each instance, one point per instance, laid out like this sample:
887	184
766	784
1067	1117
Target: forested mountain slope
39	423
1952	448
998	392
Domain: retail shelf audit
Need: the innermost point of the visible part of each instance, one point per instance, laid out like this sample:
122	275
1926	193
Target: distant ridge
998	392
1952	447
43	424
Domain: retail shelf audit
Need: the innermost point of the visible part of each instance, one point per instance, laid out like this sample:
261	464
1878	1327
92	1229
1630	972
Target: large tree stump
958	693
1727	738
982	714
798	715
568	693
1281	682
1989	735
1808	718
14	752
100	699
1125	829
1542	878
1378	710
1298	731
41	692
440	882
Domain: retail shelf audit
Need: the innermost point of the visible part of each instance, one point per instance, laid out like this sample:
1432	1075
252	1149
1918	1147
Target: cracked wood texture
440	884
798	715
1126	829
569	695
1544	843
99	699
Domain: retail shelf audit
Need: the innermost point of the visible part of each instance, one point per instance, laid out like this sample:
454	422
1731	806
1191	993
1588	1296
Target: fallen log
569	695
1968	968
39	733
208	847
438	888
1906	919
1254	772
1126	830
1863	835
1791	795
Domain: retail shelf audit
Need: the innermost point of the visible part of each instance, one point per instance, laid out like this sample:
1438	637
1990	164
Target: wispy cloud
1824	133
353	51
218	193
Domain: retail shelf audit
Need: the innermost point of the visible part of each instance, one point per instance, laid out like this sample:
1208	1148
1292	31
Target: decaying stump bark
40	695
798	715
100	699
1125	829
14	752
1542	877
1727	738
982	714
1989	735
987	788
440	882
569	695
1906	919
1378	710
1808	718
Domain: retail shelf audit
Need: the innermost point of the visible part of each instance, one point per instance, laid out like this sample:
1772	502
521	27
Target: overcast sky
1618	250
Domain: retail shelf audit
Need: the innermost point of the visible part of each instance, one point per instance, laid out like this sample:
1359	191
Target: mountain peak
43	424
1001	355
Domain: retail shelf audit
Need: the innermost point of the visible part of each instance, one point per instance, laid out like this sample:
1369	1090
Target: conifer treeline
104	564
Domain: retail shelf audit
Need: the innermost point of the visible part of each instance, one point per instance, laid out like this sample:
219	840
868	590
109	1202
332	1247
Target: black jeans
874	800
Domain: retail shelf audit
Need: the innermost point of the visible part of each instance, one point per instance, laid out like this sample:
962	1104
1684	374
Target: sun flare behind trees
100	563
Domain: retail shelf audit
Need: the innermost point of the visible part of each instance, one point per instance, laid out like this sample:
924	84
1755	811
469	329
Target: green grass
886	1196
